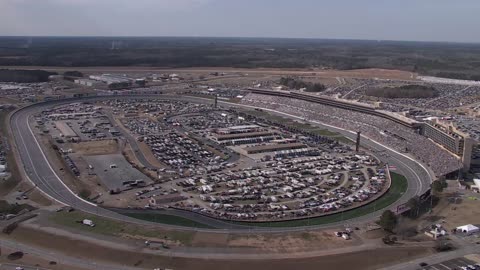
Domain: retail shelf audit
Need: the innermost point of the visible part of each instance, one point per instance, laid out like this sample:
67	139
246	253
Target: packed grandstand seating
379	129
450	95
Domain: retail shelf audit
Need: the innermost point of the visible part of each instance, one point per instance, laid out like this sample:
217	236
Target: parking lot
220	162
114	171
454	264
76	122
291	175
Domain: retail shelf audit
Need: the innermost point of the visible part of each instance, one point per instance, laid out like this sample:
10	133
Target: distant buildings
166	77
112	81
258	149
86	82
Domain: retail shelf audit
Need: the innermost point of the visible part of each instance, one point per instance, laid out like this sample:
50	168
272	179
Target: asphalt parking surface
454	264
113	177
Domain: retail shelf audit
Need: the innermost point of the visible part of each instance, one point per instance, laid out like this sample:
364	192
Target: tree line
24	76
297	84
404	91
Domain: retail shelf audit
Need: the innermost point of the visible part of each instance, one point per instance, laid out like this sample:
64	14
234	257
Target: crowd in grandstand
449	95
379	129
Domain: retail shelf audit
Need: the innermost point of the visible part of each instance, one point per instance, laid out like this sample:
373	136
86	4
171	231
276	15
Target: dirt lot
91	148
32	260
321	240
464	211
38	197
81	249
6	100
293	242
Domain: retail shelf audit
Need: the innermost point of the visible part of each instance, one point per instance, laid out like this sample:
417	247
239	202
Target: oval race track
36	167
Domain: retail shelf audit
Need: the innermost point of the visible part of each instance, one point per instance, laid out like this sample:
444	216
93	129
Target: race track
38	170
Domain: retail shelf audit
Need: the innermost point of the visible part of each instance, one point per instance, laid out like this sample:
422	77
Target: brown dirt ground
31	260
465	212
210	240
91	148
362	260
37	197
293	242
320	240
6	100
374	234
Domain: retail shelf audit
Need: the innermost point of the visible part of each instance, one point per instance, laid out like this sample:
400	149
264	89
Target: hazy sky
430	20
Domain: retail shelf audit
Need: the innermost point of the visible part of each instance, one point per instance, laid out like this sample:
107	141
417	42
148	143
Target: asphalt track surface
38	170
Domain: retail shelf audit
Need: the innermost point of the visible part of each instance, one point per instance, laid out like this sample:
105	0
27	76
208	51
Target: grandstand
400	133
344	104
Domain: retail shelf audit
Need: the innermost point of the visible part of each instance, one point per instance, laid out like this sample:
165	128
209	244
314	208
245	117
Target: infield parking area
114	169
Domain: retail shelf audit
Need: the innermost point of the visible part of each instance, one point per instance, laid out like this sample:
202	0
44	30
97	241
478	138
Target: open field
244	243
327	74
82	249
457	209
115	228
319	240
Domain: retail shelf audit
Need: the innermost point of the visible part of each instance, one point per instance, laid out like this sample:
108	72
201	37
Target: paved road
39	171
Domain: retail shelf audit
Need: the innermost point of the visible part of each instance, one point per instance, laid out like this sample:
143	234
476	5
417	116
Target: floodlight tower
357	145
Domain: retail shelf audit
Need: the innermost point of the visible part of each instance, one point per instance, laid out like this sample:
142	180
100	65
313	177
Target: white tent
468	229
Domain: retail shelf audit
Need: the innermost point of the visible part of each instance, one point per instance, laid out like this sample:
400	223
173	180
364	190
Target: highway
39	171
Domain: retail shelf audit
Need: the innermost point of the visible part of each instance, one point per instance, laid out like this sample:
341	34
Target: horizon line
243	37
